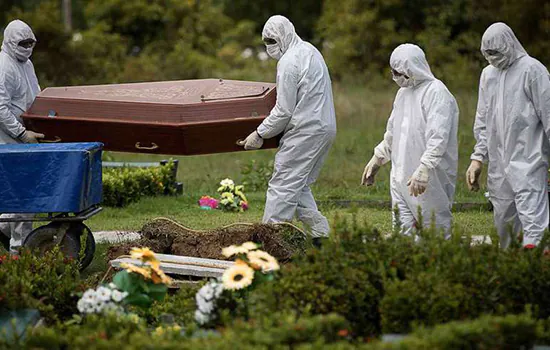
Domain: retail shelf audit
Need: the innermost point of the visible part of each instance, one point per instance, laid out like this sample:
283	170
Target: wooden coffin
185	117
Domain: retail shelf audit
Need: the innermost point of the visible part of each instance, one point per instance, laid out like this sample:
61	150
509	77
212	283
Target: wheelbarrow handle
153	146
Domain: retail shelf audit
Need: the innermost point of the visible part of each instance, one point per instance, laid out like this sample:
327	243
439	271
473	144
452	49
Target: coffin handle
56	139
153	146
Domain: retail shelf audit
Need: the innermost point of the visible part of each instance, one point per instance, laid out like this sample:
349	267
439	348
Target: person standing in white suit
421	143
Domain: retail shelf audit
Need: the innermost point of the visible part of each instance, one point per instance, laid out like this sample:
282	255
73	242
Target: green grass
185	210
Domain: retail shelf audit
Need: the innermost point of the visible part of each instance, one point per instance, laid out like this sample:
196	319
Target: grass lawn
185	210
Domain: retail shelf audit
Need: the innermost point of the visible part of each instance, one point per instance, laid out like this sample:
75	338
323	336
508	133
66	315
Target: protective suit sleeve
480	125
383	150
441	111
287	93
8	121
539	92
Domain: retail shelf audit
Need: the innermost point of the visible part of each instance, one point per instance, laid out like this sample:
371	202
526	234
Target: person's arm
8	121
383	150
441	117
480	124
287	94
538	91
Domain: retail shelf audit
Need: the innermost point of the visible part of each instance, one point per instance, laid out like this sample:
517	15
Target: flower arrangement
232	196
208	203
137	285
252	267
104	298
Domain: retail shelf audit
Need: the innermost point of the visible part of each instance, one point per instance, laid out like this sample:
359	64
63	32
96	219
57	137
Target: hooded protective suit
304	113
18	89
511	129
421	133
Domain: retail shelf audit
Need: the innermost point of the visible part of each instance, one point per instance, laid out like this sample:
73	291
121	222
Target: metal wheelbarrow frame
64	230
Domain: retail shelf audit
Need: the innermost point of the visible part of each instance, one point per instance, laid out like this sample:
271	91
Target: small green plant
256	174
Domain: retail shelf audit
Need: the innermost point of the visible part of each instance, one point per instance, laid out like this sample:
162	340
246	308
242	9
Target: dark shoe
318	241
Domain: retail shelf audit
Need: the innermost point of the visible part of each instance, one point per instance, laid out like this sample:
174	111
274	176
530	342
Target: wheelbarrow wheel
45	238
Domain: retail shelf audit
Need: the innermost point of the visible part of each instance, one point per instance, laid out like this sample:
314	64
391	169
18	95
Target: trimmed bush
123	186
49	283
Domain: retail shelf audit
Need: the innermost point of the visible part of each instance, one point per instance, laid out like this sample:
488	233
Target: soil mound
166	236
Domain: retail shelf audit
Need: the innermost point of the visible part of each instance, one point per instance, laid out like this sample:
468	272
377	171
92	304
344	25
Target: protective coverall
512	127
18	89
421	138
304	113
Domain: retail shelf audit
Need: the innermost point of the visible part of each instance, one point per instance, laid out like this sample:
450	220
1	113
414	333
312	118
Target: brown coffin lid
183	101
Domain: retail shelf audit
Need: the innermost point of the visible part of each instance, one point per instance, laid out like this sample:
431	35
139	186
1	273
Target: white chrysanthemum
103	293
201	318
206	307
112	286
117	295
206	292
81	306
227	183
218	288
90	296
90	308
98	307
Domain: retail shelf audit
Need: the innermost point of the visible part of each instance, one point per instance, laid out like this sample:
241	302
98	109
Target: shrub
487	332
110	331
48	283
122	186
256	174
343	278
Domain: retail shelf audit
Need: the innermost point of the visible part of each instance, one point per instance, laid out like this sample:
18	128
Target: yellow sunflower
233	250
139	270
249	246
158	276
263	260
238	276
144	254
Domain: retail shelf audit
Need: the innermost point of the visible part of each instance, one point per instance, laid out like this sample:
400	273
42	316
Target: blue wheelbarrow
58	183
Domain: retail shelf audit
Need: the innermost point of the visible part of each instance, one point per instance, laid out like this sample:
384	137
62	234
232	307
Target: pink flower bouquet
208	203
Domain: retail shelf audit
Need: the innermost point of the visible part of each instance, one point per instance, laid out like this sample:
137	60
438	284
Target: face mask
498	60
274	51
22	53
402	81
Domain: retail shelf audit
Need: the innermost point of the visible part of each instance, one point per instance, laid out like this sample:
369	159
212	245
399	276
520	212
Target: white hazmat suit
304	113
421	142
18	89
511	129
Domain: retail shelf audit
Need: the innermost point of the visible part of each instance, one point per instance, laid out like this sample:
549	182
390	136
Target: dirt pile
166	236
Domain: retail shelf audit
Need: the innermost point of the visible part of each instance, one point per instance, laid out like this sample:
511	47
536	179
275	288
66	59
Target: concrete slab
184	266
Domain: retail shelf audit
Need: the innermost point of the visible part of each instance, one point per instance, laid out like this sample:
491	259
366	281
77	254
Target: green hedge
48	283
122	186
